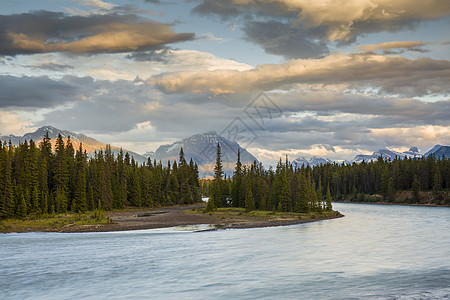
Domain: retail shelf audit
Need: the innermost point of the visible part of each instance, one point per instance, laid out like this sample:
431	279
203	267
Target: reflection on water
374	252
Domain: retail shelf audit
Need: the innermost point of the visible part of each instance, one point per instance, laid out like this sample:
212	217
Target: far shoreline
392	204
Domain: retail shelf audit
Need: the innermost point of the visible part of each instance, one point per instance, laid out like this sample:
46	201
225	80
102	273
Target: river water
374	252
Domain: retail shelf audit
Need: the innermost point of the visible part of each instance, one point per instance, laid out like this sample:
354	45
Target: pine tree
80	200
320	206
217	188
284	197
249	199
328	199
416	189
6	185
236	189
301	205
22	207
60	177
391	190
385	177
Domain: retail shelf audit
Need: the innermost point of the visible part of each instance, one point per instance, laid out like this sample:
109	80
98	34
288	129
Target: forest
285	189
35	180
424	180
304	189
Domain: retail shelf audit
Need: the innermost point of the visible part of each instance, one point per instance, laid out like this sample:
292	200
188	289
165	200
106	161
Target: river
374	252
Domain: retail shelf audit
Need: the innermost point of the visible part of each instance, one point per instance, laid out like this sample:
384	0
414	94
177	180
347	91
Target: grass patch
265	215
52	223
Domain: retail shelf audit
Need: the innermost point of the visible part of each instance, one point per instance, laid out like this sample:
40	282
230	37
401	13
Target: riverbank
394	203
138	218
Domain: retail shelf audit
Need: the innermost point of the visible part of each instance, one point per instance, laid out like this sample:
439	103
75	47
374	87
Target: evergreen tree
80	200
217	184
284	197
328	199
249	200
301	205
236	189
320	206
60	177
391	190
416	189
22	207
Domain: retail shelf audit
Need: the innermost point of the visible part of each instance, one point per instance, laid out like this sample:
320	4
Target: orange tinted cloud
393	74
42	32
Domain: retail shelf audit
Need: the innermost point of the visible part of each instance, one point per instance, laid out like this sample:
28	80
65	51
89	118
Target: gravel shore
177	216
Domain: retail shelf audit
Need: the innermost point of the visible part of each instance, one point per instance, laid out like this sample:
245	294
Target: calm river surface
374	252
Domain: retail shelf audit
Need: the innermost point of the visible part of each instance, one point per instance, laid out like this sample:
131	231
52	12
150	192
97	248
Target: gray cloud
331	119
287	40
35	92
162	56
392	75
315	24
44	31
52	67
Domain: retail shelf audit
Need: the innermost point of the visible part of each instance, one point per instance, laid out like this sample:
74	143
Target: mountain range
89	144
413	152
438	151
312	161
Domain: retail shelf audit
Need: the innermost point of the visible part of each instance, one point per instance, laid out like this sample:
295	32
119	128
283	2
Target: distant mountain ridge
438	151
89	144
202	149
413	152
312	162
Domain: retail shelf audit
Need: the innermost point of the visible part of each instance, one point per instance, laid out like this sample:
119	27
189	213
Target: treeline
285	189
409	180
306	189
37	180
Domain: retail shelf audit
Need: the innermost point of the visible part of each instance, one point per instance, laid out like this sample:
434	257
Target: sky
280	77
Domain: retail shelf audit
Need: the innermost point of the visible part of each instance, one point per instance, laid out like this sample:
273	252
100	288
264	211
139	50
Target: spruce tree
416	189
391	190
249	199
328	199
236	189
22	207
217	192
320	206
284	197
301	205
80	200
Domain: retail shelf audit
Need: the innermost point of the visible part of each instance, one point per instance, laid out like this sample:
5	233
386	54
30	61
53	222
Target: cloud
35	92
417	135
393	75
97	4
53	67
319	22
313	121
11	123
284	39
44	31
409	45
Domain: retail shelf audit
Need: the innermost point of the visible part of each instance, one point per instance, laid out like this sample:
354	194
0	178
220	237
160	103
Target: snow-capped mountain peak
202	149
312	161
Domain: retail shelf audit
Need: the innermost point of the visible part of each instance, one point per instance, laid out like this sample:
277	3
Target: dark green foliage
38	181
366	181
328	206
218	195
249	200
236	187
416	189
